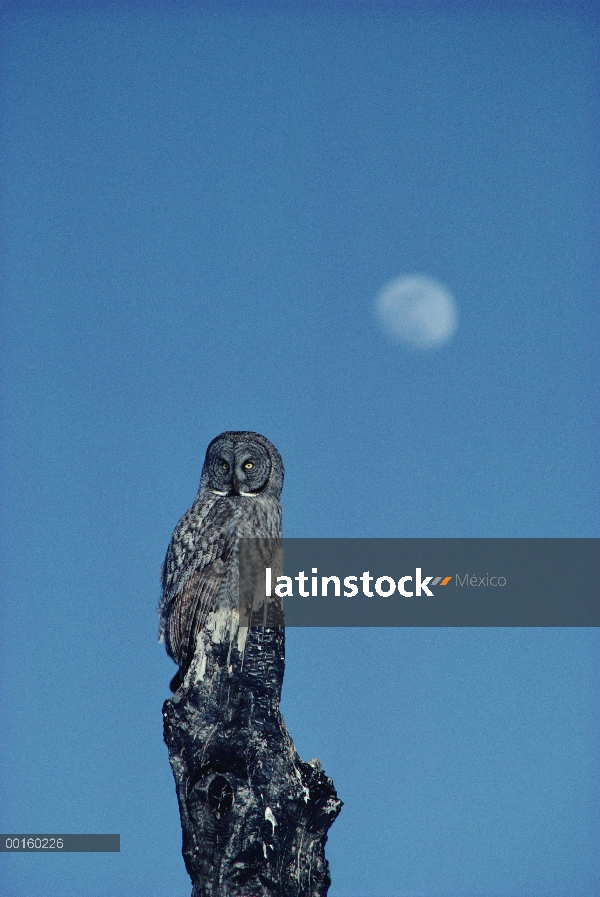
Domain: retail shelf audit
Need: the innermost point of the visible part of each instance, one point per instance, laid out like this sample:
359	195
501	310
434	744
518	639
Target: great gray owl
241	482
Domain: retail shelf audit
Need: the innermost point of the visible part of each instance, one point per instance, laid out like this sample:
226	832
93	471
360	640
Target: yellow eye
224	466
248	465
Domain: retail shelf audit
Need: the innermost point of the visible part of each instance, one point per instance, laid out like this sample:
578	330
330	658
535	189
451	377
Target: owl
241	482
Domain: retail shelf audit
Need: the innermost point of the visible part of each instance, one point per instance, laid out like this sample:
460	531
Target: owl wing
190	609
187	601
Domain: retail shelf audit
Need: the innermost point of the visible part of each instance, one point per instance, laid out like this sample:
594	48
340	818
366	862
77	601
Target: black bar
488	582
60	843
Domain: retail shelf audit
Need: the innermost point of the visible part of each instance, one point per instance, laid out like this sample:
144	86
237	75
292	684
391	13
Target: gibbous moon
417	311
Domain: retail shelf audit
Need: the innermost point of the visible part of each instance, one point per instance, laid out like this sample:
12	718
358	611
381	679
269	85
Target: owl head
242	463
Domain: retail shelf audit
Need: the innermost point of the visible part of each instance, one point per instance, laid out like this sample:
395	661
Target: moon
417	311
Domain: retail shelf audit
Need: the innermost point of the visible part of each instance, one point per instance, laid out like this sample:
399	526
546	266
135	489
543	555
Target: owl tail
176	681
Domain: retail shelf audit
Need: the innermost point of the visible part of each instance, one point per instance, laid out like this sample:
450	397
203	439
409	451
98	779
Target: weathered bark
254	815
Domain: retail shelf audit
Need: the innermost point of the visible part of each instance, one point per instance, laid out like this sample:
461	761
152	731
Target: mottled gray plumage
238	497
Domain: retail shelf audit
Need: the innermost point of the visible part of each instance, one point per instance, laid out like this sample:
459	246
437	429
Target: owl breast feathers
241	482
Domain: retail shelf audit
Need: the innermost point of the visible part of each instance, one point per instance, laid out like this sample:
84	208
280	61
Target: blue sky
199	209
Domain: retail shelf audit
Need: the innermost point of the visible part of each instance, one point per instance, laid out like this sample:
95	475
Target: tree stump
254	816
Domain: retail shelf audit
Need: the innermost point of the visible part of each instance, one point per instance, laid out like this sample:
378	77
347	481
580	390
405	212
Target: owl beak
234	486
